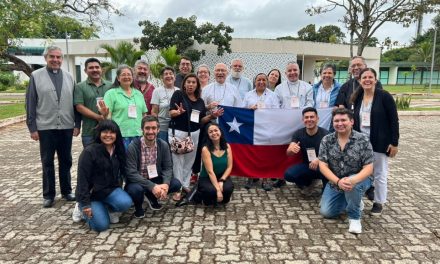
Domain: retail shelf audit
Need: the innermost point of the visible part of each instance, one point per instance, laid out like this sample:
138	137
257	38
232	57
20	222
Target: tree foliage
124	53
183	32
363	18
44	18
327	34
166	57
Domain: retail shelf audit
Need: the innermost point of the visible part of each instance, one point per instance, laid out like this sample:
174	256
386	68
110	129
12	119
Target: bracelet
221	180
337	183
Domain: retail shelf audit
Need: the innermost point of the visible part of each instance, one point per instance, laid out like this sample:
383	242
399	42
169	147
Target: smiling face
54	59
292	72
368	80
261	82
185	66
168	78
220	72
142	73
327	75
310	119
108	137
125	78
203	74
93	71
214	133
150	130
356	66
342	123
274	76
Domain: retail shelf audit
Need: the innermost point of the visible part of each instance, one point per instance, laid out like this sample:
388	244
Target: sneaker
76	214
114	217
266	186
370	193
249	184
279	183
355	226
377	209
139	213
153	204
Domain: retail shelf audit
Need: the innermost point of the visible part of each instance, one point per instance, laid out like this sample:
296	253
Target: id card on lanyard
132	113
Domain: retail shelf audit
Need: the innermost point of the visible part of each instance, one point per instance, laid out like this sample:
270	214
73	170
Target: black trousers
59	141
207	193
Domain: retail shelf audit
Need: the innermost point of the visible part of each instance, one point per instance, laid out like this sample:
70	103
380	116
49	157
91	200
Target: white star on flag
234	125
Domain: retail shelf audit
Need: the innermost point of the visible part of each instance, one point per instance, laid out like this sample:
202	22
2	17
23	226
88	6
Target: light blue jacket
333	93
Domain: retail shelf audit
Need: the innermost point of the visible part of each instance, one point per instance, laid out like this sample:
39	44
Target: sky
266	19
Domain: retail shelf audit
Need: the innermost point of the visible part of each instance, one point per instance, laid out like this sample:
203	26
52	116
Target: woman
375	114
188	112
261	97
125	104
326	91
203	74
274	77
215	185
101	166
160	101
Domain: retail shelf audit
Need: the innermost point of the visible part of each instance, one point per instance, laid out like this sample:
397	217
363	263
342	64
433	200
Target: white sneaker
76	214
114	217
355	226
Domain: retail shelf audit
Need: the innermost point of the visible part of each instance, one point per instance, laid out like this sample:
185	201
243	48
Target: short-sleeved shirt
161	97
307	142
181	121
118	102
86	93
357	153
269	99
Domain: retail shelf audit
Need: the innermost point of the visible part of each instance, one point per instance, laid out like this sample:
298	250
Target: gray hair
141	61
359	57
123	67
203	66
51	48
237	59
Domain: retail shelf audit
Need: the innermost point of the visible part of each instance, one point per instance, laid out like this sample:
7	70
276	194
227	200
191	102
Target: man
346	160
242	83
141	76
185	67
357	64
86	97
221	92
294	93
149	168
51	119
306	140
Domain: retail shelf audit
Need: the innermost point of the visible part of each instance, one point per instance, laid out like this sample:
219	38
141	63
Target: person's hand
165	188
220	184
212	105
218	112
180	109
157	191
103	109
392	151
254	107
76	131
313	165
35	136
293	148
88	212
345	184
219	196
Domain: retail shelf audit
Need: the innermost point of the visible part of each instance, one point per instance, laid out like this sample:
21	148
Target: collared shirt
86	93
224	94
148	157
147	92
243	84
357	153
300	89
269	99
323	96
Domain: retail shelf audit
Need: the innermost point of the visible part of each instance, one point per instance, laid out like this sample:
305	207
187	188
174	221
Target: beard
235	74
142	79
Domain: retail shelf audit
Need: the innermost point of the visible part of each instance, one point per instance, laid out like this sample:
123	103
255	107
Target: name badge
294	102
132	111
311	154
365	119
195	116
152	171
261	104
323	104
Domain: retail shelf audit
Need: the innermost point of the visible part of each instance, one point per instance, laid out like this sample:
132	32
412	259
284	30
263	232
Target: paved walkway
281	226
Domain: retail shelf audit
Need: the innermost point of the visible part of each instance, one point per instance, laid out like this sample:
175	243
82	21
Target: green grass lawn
11	110
397	89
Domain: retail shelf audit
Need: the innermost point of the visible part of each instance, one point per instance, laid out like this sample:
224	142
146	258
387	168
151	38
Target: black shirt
181	122
306	141
347	90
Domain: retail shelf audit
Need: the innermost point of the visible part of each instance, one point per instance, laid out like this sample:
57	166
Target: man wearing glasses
185	67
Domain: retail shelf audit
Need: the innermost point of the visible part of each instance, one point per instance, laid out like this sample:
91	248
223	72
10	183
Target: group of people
129	126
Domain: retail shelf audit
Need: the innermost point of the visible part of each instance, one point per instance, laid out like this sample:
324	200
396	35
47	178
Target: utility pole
432	60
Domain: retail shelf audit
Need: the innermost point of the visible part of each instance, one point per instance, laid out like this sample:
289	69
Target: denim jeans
334	202
163	135
86	140
116	201
127	141
59	141
303	176
137	192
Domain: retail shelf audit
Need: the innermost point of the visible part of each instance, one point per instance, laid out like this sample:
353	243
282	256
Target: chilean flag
259	139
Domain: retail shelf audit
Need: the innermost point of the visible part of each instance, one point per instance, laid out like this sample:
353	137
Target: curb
12	120
418	113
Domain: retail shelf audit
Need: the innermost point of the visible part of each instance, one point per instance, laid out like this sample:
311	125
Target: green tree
307	33
123	53
183	32
399	54
22	18
166	57
363	18
327	34
423	52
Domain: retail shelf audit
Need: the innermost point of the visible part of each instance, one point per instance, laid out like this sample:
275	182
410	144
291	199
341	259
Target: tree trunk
18	64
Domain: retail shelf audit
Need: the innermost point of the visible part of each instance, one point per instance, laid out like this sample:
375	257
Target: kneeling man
346	160
149	168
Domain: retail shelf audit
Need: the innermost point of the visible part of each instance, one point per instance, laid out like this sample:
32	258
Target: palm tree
169	56
123	53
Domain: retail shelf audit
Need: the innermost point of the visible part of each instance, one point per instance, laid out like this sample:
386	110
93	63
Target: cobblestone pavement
280	226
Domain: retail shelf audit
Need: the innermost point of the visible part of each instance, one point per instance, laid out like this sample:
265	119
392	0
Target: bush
403	102
7	79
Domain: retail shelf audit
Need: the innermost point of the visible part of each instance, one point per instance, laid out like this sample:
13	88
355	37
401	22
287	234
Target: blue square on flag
238	125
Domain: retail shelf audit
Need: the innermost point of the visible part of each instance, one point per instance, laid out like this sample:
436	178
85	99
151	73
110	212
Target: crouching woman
101	166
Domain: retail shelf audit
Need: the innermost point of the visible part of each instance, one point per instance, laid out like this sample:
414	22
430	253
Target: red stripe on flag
261	161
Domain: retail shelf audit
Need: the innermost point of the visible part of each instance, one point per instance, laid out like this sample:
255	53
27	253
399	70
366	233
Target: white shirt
286	90
243	84
267	100
323	97
224	94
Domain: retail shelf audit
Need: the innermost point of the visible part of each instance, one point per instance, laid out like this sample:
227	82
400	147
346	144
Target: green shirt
118	103
219	165
85	94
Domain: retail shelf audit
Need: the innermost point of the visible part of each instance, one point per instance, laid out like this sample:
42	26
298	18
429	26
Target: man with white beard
236	78
294	93
141	76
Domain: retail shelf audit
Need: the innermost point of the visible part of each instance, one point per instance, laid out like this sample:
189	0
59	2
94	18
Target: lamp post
67	51
432	60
